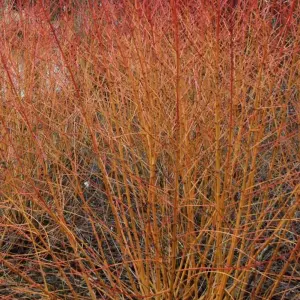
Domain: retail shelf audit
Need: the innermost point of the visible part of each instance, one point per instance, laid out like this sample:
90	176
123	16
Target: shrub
150	150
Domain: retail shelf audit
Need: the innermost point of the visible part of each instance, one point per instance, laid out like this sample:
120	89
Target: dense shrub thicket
149	149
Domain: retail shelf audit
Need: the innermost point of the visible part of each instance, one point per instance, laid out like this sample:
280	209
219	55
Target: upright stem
218	198
174	6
